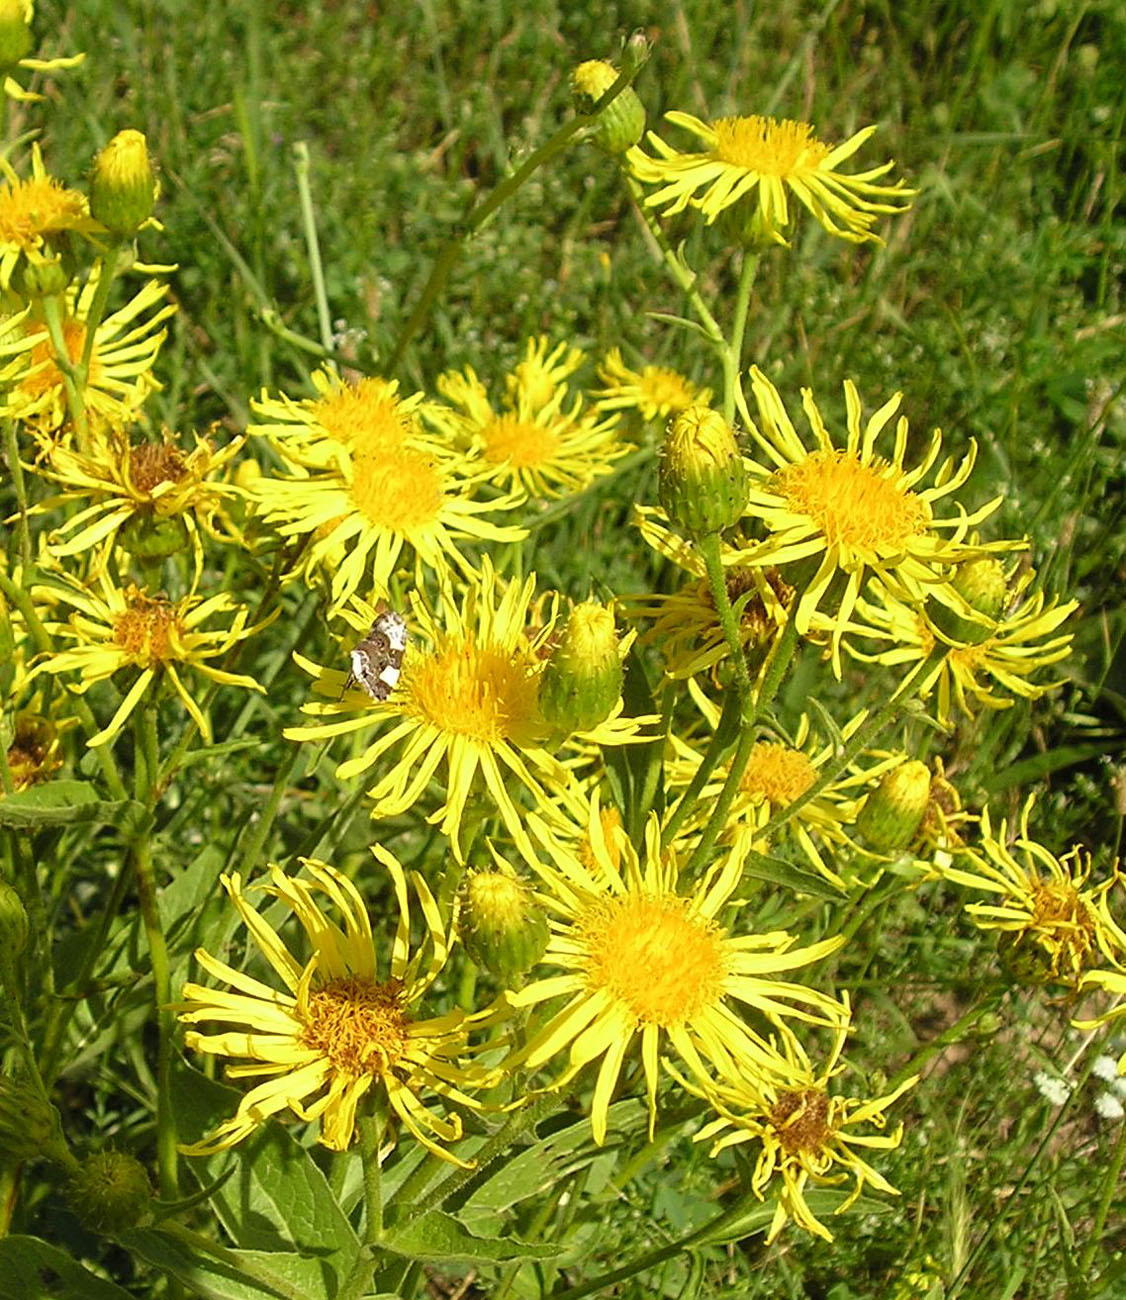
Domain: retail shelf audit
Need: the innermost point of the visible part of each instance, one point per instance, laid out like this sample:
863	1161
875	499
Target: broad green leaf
634	771
240	1274
30	1269
777	871
1036	768
277	1198
63	803
440	1238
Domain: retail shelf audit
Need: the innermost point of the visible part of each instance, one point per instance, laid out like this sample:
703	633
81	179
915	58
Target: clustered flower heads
619	943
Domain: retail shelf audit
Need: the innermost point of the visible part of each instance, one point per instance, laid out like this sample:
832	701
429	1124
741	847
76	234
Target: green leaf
277	1198
438	1237
1038	767
240	1274
63	803
634	771
30	1269
777	871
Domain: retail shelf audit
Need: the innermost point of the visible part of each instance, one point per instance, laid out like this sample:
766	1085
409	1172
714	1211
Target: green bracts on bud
110	1193
29	1126
583	679
983	586
13	926
122	185
702	482
894	811
501	926
621	124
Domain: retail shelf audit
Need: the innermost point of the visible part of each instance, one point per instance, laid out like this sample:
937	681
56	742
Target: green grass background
996	307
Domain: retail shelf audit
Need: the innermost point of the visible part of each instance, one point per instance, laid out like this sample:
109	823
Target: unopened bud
502	927
15	32
983	586
894	811
151	539
110	1193
621	123
583	679
122	185
29	1125
703	481
39	275
13	928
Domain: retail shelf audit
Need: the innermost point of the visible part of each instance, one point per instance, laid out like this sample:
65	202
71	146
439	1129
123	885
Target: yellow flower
1047	916
117	628
778	772
1110	981
806	1134
467	700
654	391
861	513
743	155
32	212
686	628
138	484
359	504
365	417
989	673
336	1031
120	378
33	752
539	439
16	41
642	960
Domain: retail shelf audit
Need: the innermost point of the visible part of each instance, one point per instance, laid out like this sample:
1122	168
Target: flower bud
501	925
583	679
151	539
110	1193
15	32
122	186
702	482
43	275
983	586
29	1125
621	124
893	812
33	752
13	926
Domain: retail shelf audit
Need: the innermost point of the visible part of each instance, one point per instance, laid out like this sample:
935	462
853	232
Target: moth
378	659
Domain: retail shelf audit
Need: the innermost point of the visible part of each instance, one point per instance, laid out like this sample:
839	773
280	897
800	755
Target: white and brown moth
378	658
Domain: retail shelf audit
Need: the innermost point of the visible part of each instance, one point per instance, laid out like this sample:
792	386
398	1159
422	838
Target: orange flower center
148	629
33	208
651	953
777	773
358	1024
523	443
768	146
802	1121
852	504
397	490
488	693
153	463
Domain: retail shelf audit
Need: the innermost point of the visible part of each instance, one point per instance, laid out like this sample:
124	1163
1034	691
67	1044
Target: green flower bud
29	1126
110	1193
621	124
15	32
43	276
122	185
702	482
13	927
983	586
583	679
151	539
501	926
894	811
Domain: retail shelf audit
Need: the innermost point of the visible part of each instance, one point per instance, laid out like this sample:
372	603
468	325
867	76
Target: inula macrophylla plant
385	887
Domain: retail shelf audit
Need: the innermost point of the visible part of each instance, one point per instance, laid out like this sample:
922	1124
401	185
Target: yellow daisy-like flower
366	503
15	358
33	753
120	378
1054	927
743	155
141	485
467	701
861	513
540	439
368	417
970	675
1111	981
806	1134
33	211
15	33
336	1031
654	391
643	961
117	628
686	628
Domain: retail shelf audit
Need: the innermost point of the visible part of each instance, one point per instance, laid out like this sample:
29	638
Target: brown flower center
802	1120
358	1024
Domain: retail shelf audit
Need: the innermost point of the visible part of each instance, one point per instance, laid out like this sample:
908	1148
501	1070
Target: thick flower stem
733	353
106	276
312	242
15	469
371	1135
72	380
481	211
717	585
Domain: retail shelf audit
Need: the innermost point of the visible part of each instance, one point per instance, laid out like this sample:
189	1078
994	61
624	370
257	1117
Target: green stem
72	378
710	548
247	853
1110	1187
733	354
480	212
720	743
371	1135
106	277
21	599
12	452
312	242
